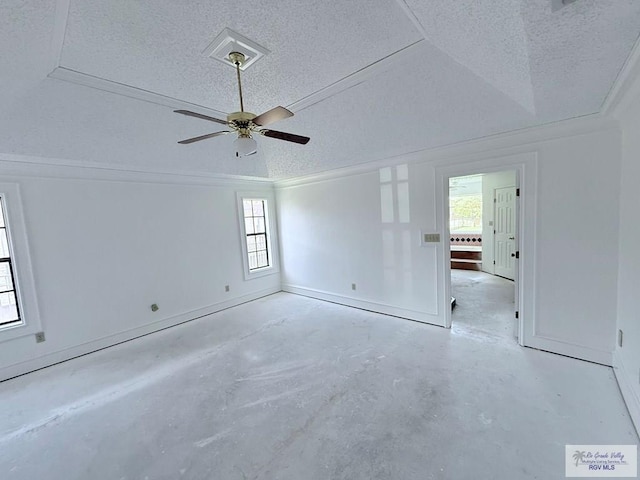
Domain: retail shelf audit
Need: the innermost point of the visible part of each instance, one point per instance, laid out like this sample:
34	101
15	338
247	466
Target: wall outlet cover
154	307
431	238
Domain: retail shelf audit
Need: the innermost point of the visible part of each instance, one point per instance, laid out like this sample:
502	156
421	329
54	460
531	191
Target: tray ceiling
367	80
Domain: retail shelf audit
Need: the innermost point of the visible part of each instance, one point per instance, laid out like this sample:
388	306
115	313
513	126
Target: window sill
17	331
261	272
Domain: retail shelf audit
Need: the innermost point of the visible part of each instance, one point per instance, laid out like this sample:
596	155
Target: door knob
513	254
512	238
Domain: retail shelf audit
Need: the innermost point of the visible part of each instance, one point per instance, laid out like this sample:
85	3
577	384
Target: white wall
360	230
490	182
627	358
104	250
332	235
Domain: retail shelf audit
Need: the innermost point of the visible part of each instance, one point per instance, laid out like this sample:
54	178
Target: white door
505	231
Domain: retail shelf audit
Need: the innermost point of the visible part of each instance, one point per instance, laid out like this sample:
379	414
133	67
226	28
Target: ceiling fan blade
202	137
289	137
273	115
199	115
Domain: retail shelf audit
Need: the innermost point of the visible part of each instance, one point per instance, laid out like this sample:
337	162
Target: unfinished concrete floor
485	305
288	387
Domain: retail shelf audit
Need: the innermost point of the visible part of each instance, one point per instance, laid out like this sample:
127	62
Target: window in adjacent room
256	233
9	310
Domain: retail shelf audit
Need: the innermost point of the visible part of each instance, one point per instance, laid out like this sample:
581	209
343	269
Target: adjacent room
482	237
311	240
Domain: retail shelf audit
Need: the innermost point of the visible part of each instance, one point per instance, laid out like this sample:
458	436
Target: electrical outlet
620	335
353	286
40	337
226	288
155	307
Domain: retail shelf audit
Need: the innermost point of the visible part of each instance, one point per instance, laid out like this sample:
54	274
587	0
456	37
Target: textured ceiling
367	80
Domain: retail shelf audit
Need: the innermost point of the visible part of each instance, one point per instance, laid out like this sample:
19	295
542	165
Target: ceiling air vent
229	41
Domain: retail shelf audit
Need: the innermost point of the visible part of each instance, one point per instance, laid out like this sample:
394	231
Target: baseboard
626	383
120	337
580	352
386	309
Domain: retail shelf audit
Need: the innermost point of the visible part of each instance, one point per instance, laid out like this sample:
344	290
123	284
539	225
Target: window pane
262	259
246	205
253	261
251	243
261	242
248	225
6	283
8	308
4	245
258	211
259	225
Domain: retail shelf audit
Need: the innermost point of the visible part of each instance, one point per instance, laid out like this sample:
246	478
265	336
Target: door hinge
495	200
517	192
517	314
494	262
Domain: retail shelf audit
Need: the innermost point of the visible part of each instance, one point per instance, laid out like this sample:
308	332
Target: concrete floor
288	387
485	305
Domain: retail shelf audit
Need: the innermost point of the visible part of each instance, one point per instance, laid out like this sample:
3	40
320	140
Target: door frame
525	166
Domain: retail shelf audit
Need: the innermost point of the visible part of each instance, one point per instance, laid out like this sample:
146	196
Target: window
19	315
258	235
9	311
255	226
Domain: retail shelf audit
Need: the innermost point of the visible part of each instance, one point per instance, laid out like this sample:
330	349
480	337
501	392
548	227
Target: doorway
483	223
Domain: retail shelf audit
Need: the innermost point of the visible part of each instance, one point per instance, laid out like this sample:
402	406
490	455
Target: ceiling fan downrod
238	58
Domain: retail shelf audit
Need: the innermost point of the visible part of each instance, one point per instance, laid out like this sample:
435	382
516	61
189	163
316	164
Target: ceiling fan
246	123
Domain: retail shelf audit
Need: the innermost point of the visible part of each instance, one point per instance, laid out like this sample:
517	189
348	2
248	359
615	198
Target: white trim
406	54
525	164
626	383
272	237
41	167
626	86
368	305
80	78
110	340
21	259
562	347
468	150
59	31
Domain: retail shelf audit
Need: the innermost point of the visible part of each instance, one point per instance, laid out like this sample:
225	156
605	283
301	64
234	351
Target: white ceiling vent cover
229	41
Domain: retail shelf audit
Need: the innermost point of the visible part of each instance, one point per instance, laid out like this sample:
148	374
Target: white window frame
21	262
272	239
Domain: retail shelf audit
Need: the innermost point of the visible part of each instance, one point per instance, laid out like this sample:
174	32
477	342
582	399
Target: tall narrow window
9	311
255	225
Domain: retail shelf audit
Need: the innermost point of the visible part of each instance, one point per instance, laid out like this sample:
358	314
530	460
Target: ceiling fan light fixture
245	146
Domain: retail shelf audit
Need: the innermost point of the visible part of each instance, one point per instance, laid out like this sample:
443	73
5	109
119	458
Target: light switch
431	238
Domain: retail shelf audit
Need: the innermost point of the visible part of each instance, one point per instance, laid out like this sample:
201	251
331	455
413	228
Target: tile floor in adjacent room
288	387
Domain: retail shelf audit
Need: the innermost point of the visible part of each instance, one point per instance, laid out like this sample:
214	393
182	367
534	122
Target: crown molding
626	86
405	54
59	32
497	144
79	78
44	167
